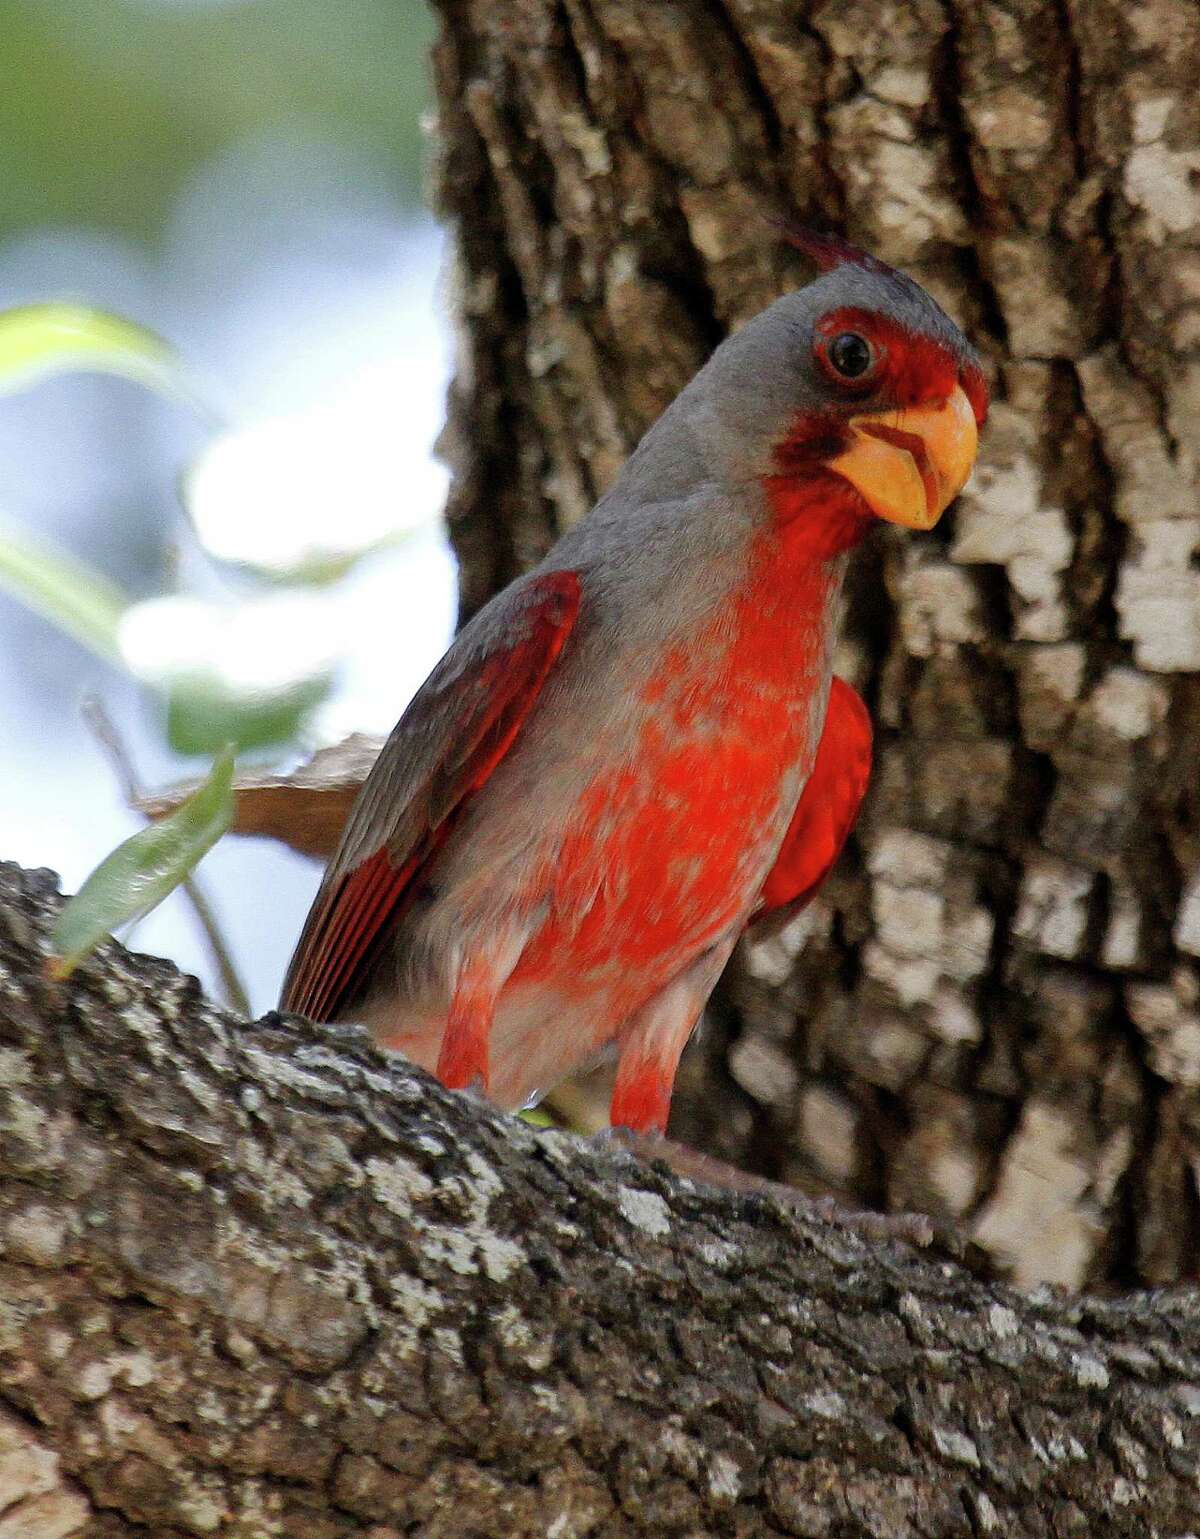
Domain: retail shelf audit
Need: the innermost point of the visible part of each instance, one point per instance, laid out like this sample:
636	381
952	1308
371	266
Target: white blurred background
242	176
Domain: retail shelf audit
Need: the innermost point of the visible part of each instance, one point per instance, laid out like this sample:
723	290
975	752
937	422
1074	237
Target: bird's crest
828	251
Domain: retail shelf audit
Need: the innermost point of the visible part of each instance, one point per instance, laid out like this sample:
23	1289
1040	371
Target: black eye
850	355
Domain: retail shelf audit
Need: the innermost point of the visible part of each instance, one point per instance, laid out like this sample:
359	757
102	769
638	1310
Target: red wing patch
355	911
827	807
343	925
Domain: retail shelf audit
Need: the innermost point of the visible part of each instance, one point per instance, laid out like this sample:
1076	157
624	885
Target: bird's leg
641	1099
655	1036
463	1057
651	1045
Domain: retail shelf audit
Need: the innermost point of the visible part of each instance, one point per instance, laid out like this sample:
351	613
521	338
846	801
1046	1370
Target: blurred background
244	178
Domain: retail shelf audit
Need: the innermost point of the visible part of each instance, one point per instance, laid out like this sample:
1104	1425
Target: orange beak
910	465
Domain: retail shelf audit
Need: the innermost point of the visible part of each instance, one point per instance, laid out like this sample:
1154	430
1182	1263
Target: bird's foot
917	1229
619	1138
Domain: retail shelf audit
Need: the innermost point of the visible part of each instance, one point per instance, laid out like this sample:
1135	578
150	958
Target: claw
615	1137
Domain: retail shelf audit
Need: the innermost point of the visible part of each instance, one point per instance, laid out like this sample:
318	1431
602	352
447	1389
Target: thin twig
104	730
231	984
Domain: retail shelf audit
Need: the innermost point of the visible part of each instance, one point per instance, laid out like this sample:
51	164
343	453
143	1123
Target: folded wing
458	728
826	810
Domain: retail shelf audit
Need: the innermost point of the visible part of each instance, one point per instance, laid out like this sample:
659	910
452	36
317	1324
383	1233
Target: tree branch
256	1280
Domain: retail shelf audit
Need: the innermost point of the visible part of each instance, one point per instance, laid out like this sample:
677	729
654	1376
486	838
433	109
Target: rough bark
994	1015
256	1281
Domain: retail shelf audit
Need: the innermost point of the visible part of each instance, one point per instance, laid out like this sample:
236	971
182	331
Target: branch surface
256	1280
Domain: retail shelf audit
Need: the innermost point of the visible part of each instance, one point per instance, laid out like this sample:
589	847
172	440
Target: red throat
814	510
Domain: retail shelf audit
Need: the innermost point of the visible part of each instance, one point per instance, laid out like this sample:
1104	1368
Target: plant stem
104	730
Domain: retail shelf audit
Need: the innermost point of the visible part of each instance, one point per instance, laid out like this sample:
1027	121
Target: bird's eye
850	355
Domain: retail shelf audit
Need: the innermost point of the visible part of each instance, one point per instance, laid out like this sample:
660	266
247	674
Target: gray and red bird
638	747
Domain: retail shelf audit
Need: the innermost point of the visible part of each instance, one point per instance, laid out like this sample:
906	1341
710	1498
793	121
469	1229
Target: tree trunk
994	1013
255	1281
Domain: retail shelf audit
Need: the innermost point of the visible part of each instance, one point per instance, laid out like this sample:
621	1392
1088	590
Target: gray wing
460	724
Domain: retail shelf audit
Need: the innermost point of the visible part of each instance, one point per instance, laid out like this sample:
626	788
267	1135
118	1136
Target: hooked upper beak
910	465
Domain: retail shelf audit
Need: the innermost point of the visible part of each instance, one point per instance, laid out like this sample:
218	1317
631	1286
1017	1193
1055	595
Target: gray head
859	379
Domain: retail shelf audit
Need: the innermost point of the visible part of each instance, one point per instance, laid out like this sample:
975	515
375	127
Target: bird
638	749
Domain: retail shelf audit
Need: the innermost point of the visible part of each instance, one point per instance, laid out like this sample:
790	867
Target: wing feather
458	728
826	810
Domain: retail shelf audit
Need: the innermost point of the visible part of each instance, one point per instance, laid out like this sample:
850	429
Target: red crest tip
829	251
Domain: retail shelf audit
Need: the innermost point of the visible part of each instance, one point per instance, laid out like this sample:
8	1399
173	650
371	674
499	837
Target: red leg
654	1038
641	1099
463	1061
463	1058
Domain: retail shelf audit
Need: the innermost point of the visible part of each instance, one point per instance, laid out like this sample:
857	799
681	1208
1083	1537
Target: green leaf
203	712
63	590
40	340
140	873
